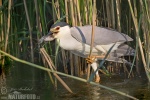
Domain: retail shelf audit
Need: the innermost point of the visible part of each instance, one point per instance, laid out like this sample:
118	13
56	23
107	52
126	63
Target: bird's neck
67	42
64	32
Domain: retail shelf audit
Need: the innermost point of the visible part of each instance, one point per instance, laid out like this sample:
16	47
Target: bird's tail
123	50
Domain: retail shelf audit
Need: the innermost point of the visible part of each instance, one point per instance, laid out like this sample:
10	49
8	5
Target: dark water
31	83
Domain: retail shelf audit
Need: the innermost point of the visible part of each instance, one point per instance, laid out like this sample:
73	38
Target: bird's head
57	31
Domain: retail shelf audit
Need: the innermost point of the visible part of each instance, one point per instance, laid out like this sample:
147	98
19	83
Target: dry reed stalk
137	64
118	15
71	57
108	13
113	13
146	29
54	11
102	72
47	57
8	25
72	13
105	19
76	64
137	59
57	8
46	65
52	67
71	62
84	70
64	59
78	12
86	12
125	69
65	54
66	10
79	66
2	33
93	35
89	12
30	30
75	12
7	31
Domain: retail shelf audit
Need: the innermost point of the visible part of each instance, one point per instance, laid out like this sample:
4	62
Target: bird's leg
97	77
91	59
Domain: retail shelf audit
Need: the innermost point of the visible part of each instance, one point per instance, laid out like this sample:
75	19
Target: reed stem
30	30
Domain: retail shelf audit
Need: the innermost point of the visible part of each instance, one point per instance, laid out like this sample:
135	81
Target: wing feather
103	36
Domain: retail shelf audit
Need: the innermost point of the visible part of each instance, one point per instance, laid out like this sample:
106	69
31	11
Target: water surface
35	83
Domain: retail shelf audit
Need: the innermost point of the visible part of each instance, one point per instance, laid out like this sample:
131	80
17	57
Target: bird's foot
90	59
97	78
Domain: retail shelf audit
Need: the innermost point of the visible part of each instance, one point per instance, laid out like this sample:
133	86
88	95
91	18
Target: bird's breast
67	43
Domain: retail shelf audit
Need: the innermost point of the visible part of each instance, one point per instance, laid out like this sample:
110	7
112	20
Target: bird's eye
57	28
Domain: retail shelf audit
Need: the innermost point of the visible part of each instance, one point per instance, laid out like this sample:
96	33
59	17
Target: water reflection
23	79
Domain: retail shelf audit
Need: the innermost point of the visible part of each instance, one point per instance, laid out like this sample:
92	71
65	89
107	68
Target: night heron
78	40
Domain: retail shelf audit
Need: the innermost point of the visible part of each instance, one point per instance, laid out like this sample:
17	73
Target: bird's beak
53	30
46	38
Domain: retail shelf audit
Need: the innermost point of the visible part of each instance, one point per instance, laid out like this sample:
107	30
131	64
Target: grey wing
103	36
